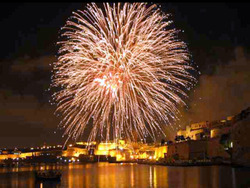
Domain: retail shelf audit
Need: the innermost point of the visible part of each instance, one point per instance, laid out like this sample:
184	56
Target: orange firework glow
121	67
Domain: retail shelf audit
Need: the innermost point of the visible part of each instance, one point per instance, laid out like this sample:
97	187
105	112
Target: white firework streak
121	67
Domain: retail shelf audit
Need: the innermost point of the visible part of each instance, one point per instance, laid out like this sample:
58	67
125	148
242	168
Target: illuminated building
104	148
120	150
205	137
146	152
195	131
160	152
205	142
74	152
19	155
205	129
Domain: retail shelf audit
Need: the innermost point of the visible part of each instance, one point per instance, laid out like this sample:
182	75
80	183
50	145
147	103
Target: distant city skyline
213	32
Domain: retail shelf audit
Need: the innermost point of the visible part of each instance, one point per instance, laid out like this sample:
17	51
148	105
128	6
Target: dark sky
217	35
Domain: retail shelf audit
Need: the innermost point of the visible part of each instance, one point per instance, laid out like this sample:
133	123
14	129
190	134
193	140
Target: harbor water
128	175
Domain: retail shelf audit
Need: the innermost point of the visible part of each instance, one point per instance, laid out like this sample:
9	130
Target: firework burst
122	69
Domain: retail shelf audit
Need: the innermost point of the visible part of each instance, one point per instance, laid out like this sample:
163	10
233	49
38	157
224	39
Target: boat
48	175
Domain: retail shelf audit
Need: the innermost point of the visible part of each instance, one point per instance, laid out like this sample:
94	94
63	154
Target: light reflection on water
128	175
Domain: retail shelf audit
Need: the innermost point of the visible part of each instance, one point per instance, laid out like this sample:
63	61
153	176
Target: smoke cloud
224	93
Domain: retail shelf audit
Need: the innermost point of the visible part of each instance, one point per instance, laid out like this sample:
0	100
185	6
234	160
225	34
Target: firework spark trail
121	67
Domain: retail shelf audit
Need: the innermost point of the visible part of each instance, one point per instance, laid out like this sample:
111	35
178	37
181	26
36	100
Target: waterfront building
225	139
191	149
240	141
160	152
216	150
195	131
75	151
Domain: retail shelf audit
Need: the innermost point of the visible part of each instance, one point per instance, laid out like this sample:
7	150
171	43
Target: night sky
217	35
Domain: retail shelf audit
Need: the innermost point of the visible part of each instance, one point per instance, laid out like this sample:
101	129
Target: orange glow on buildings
203	143
104	148
74	151
160	152
21	155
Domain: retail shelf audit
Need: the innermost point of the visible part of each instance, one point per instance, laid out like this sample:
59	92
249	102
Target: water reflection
128	175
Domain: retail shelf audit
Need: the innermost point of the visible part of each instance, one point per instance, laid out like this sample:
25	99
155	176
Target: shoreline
183	164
